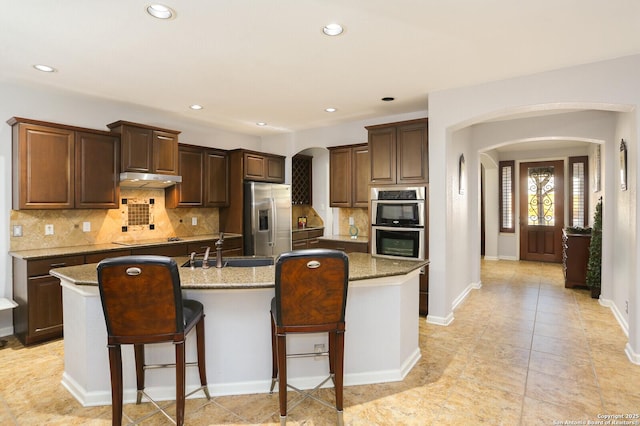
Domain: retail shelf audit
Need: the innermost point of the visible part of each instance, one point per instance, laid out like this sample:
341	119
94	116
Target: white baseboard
432	319
485	257
633	356
6	331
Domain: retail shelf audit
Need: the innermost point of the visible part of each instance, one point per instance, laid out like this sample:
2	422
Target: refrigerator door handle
274	221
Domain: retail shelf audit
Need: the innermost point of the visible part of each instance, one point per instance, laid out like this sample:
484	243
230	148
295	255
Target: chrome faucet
205	259
219	251
192	260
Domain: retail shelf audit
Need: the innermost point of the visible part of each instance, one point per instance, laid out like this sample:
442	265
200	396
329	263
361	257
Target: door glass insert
540	194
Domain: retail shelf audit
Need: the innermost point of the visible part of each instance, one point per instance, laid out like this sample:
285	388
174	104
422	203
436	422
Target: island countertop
362	266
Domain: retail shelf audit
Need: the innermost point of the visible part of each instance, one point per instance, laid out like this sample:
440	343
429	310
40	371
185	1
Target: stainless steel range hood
148	180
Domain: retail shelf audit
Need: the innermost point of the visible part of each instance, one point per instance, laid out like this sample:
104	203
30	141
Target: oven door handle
398	228
412	201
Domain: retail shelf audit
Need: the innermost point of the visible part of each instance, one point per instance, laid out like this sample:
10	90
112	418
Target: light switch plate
86	226
194	221
17	230
351	221
48	229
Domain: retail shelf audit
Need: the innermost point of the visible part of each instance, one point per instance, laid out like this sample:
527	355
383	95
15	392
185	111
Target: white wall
607	86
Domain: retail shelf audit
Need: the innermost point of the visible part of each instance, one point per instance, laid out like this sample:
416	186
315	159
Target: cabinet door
165	153
43	167
299	245
97	171
136	146
45	308
190	192
412	154
361	176
274	169
254	167
216	179
382	151
340	177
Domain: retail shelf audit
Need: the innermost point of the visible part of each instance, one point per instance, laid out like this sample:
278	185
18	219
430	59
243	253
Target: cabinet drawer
173	250
232	243
346	246
43	266
315	233
97	257
299	235
299	245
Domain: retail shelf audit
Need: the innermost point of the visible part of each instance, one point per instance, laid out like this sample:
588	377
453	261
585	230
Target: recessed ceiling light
388	99
261	123
196	107
330	109
332	29
160	11
44	68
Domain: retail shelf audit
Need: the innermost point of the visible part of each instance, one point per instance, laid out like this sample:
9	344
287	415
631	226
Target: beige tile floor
523	350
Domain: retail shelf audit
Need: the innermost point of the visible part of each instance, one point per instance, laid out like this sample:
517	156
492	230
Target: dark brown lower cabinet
346	246
306	239
424	291
38	316
575	257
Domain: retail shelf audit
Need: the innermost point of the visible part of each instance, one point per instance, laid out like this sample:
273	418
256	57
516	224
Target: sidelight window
578	191
507	196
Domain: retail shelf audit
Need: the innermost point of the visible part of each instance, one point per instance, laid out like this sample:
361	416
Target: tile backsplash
360	221
151	218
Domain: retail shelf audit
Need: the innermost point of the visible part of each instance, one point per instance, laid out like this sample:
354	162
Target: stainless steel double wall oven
398	221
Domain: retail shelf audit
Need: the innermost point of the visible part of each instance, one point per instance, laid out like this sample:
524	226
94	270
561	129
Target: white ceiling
267	60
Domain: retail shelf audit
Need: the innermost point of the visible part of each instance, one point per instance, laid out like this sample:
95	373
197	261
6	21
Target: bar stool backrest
311	289
141	298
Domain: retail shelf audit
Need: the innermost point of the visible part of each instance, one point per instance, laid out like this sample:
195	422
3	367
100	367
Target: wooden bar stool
142	304
311	297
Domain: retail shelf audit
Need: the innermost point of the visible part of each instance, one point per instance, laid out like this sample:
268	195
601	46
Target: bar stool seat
142	304
311	297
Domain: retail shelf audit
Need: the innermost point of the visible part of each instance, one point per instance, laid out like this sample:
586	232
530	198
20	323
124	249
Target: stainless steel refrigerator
267	218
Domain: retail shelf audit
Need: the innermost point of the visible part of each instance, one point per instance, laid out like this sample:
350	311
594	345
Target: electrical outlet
194	221
351	221
318	348
86	226
48	229
17	230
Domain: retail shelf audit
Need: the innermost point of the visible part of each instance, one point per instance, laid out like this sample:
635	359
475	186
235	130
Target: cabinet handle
58	265
165	138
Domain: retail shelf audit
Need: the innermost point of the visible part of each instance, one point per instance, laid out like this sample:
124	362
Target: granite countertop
361	266
308	228
95	248
360	239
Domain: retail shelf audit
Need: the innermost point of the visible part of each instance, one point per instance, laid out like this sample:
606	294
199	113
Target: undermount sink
236	262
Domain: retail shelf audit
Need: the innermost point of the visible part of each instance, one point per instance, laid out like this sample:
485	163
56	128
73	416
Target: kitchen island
381	341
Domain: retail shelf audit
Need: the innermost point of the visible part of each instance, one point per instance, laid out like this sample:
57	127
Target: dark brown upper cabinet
204	174
147	149
259	166
349	176
97	170
399	152
216	182
63	167
189	193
